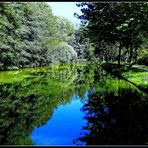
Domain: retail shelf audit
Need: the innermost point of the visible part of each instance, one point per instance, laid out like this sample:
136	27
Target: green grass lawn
139	78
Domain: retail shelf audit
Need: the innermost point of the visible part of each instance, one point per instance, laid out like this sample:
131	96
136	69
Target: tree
9	23
114	23
29	32
63	53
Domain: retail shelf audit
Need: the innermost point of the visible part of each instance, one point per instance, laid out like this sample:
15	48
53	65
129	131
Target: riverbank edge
122	73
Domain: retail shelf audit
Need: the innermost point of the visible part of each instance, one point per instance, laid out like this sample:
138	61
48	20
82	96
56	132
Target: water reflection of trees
115	116
31	101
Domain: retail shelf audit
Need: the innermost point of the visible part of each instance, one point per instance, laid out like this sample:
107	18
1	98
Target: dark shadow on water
118	117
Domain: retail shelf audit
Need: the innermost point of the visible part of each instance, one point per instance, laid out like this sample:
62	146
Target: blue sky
66	9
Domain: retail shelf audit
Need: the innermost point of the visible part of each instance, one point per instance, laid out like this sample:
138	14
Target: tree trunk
119	56
136	54
131	55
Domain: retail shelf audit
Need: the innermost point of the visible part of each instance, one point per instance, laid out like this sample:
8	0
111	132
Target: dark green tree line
120	24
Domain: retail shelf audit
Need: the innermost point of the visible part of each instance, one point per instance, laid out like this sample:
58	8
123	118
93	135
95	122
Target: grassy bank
140	78
137	77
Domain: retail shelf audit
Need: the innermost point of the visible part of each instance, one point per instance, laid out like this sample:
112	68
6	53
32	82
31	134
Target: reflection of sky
64	126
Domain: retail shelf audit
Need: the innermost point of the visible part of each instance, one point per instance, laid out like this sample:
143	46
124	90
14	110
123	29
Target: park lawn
136	76
140	78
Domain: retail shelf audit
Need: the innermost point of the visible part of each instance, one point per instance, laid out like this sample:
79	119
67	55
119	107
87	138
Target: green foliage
29	32
64	53
111	24
82	45
143	59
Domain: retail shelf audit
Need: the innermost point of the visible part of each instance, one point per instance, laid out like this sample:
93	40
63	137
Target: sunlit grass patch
19	75
139	78
12	76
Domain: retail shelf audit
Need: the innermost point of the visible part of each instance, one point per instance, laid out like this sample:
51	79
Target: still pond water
70	105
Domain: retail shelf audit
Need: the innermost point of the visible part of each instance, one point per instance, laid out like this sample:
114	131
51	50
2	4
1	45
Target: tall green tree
114	23
29	33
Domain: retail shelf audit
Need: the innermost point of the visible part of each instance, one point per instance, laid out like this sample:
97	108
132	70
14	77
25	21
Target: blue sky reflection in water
64	126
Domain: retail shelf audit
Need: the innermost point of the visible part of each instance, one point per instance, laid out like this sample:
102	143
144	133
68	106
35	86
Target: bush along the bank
64	53
143	60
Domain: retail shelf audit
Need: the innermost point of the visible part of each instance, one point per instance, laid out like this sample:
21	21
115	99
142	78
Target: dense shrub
64	53
143	60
